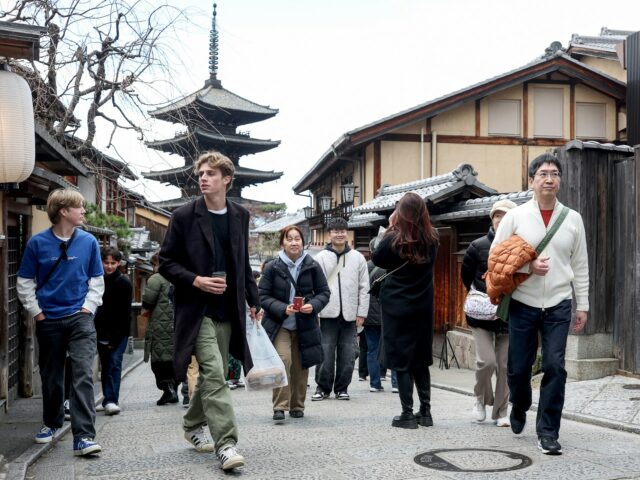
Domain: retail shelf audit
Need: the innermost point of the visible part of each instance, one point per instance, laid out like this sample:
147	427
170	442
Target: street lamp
17	144
325	203
308	212
348	191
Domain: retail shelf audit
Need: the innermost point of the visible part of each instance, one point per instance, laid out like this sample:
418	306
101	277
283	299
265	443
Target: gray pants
491	356
75	334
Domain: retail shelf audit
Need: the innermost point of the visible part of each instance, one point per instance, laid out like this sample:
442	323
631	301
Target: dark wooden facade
601	182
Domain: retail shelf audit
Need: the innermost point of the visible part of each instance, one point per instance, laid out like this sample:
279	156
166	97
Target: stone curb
17	470
576	417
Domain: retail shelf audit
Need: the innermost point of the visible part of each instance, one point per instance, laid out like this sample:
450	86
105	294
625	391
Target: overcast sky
332	66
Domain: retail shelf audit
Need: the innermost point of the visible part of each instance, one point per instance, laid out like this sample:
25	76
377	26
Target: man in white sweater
542	303
348	277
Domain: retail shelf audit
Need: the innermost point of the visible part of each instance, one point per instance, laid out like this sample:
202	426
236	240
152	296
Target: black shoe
169	396
342	396
278	416
405	420
518	420
319	395
424	419
549	446
185	401
296	414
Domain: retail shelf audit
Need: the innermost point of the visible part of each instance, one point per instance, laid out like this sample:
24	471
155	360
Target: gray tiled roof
480	207
216	97
187	170
429	189
215	137
603	45
591	144
280	223
140	240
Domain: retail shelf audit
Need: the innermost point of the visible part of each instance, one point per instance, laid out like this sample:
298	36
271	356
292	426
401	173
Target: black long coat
406	298
187	252
275	289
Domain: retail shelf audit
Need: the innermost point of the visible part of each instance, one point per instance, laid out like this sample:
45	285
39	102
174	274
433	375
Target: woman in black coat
295	332
409	245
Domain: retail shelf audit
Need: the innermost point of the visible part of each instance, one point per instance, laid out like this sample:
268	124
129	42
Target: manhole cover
632	387
472	460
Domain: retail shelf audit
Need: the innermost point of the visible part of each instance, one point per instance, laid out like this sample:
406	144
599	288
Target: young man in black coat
205	255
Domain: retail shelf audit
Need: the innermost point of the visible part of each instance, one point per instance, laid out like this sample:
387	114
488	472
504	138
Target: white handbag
478	305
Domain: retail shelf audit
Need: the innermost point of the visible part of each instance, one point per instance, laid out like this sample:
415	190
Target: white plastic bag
268	370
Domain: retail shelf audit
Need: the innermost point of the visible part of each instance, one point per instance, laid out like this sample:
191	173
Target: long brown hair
414	232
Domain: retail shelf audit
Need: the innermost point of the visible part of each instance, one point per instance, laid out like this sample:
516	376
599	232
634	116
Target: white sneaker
199	438
111	409
503	422
394	389
230	458
479	412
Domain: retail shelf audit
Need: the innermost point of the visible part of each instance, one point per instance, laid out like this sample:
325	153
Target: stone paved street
335	440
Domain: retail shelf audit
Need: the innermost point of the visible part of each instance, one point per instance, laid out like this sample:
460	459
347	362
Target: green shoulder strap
503	308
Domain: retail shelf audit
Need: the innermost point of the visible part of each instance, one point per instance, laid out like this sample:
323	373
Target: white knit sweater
567	252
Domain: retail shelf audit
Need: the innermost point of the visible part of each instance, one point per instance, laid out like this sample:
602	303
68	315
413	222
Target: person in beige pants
491	336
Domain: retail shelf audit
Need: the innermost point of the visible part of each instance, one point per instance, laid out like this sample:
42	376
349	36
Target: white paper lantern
17	137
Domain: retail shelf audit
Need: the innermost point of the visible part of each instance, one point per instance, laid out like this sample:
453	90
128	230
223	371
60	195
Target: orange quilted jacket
505	260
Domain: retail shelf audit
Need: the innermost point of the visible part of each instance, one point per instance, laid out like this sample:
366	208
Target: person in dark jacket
294	332
373	328
206	236
113	320
491	336
158	341
408	251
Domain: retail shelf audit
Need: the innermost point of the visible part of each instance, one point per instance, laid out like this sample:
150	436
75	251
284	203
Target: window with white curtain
591	120
504	117
548	112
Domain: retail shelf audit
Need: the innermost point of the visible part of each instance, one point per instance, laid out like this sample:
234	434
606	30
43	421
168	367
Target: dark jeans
363	370
75	334
111	370
339	358
163	371
372	334
524	324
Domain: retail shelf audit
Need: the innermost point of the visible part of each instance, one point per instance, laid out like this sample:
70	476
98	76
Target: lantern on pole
17	136
348	191
325	203
308	212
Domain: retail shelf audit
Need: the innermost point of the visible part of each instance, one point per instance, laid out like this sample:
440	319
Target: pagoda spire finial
213	53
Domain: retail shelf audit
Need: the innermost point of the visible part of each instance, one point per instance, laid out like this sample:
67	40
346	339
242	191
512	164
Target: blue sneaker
45	435
85	446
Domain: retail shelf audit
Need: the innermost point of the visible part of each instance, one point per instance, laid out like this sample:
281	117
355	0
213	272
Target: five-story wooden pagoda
212	116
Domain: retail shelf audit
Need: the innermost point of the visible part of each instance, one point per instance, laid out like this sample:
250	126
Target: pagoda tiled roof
210	99
198	139
242	174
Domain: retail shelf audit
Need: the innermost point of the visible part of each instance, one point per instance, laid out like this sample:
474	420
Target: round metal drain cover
472	460
633	386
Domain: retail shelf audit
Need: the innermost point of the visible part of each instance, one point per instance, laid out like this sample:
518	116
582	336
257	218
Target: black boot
169	395
423	386
405	389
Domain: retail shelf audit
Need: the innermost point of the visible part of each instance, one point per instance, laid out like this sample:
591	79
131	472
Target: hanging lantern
17	137
308	212
325	203
348	191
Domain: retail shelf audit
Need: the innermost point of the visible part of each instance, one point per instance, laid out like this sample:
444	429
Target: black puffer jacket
374	317
274	290
474	266
113	317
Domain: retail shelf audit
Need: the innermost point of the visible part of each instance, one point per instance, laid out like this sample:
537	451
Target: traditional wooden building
498	125
212	116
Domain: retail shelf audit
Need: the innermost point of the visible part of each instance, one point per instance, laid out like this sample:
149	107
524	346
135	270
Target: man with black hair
542	303
348	277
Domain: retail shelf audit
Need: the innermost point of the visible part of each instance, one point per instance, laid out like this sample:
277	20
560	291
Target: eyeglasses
553	175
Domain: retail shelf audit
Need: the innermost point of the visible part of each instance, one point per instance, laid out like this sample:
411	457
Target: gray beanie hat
502	206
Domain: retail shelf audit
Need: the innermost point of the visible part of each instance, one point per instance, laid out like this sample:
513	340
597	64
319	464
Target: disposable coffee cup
219	274
297	302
